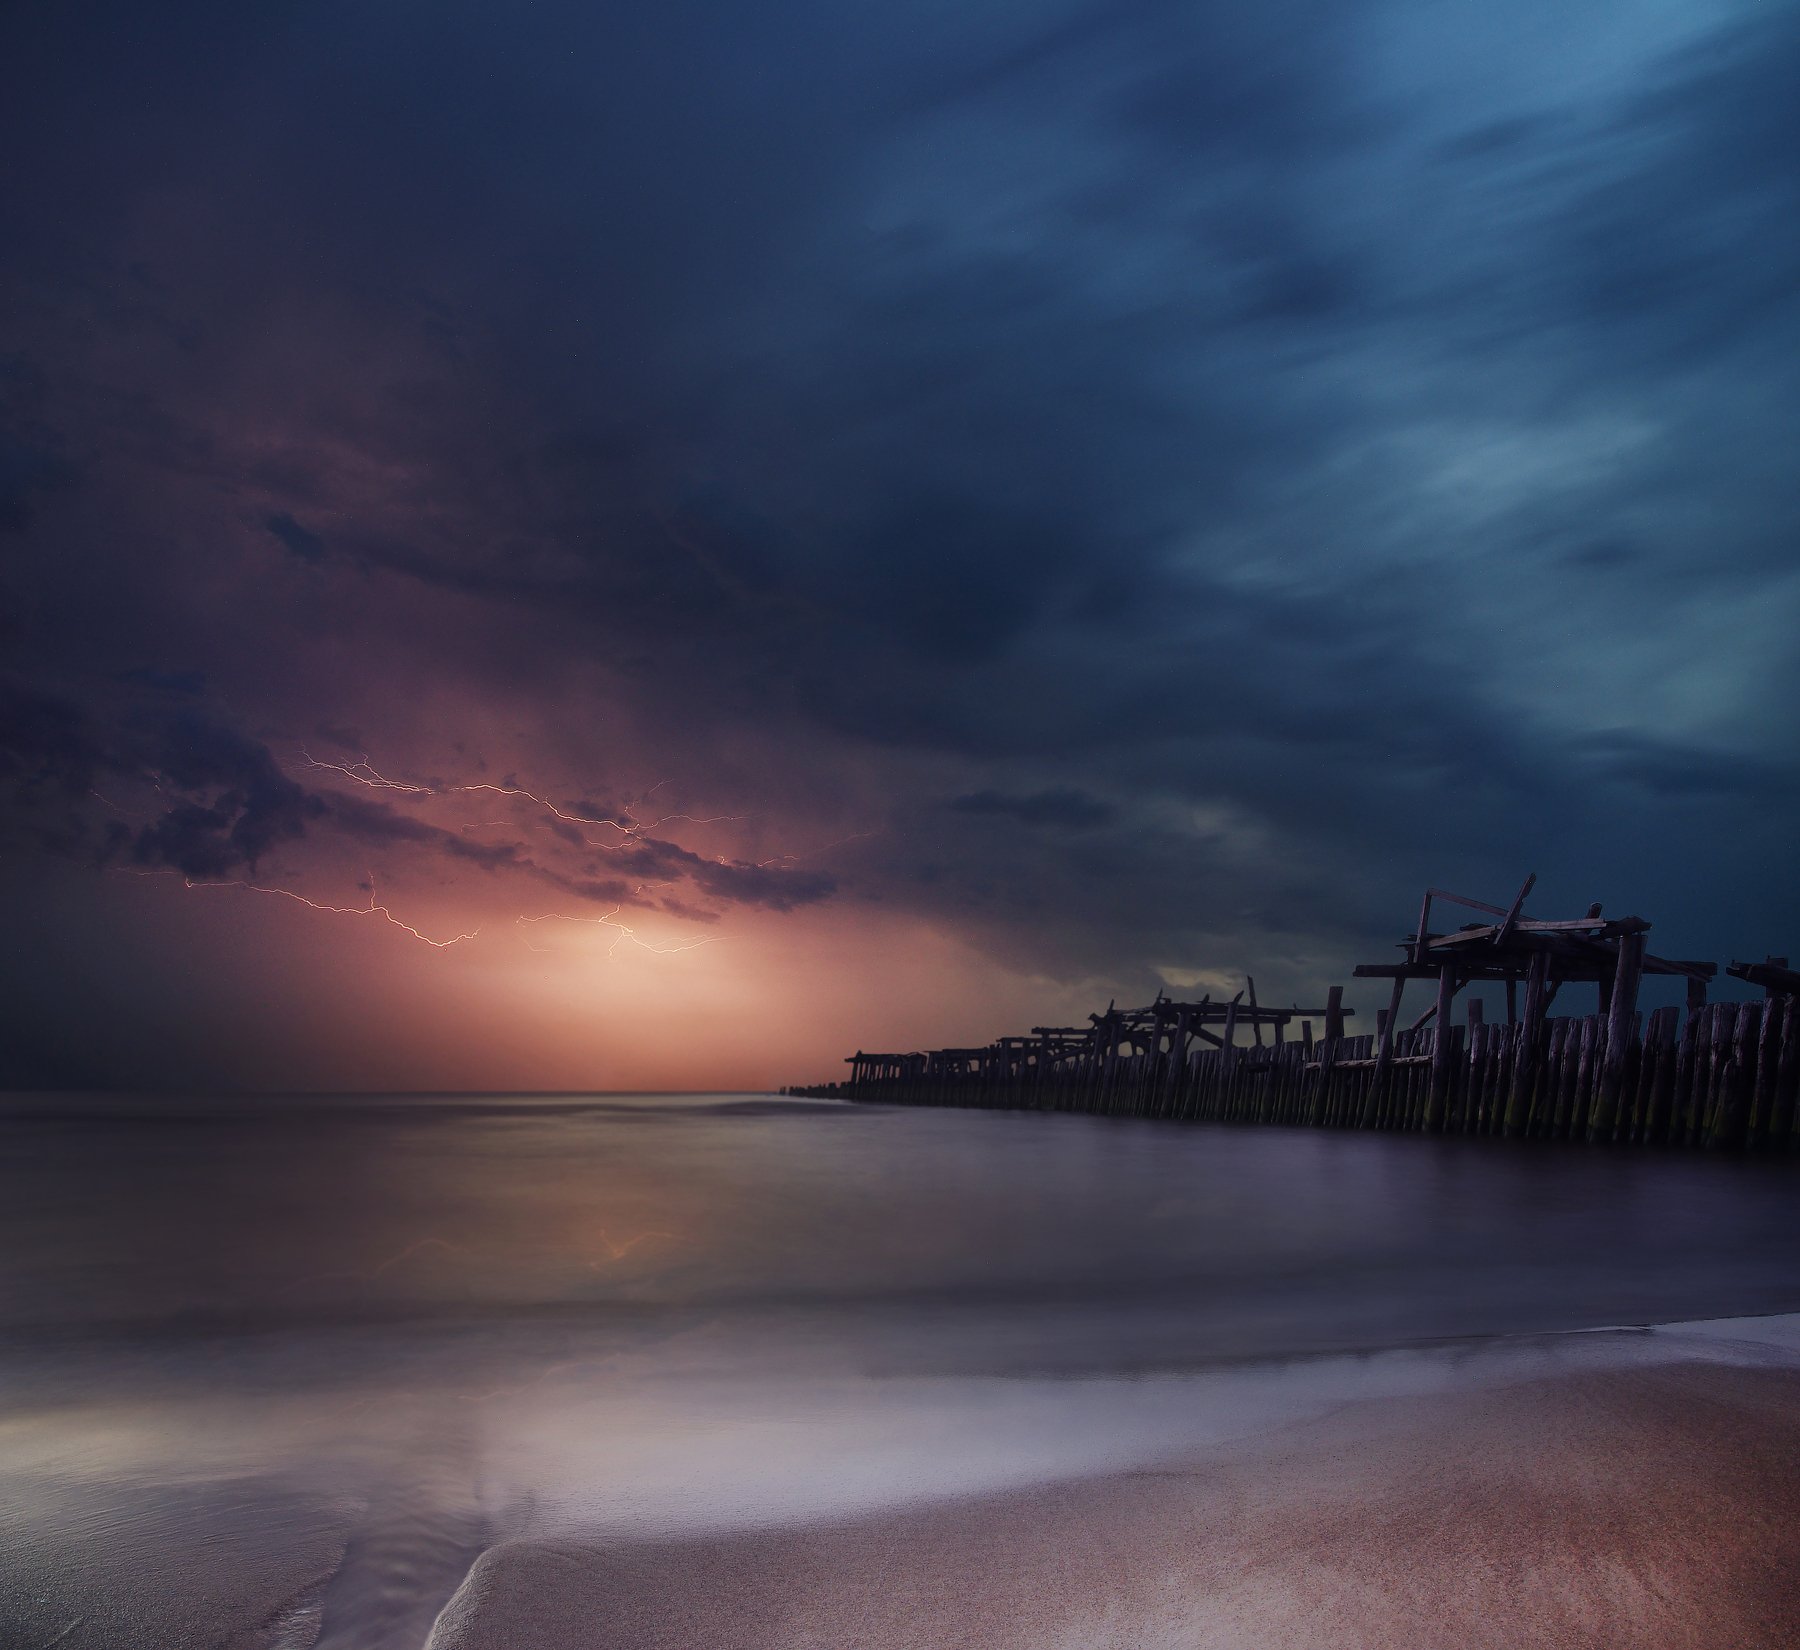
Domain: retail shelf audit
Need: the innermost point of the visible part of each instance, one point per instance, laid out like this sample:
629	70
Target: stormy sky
709	535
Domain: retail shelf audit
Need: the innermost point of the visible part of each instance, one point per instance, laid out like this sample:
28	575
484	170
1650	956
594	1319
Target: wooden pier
1713	1074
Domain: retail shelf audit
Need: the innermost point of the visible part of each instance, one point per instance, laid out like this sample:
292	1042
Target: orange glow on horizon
332	1006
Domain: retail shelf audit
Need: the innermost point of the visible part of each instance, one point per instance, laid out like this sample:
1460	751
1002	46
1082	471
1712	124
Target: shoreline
1613	1485
1652	1503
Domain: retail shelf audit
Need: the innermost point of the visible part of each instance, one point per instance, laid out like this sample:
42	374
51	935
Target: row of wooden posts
1719	1074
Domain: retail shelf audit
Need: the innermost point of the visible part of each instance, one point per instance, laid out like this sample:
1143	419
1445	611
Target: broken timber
1702	1074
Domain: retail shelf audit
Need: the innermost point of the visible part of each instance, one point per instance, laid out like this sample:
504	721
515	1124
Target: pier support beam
1530	1033
1442	1042
1621	1019
1385	1025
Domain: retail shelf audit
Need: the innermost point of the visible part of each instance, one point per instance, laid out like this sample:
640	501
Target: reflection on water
389	1331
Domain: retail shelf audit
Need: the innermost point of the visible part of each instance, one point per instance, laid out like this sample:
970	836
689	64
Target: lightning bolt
372	909
362	772
626	829
616	1252
668	948
813	853
623	931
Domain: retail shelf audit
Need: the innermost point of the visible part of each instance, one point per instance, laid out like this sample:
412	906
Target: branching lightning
362	772
616	1252
624	932
812	853
372	909
626	830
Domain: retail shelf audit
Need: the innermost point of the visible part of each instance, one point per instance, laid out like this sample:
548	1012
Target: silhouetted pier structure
1721	1074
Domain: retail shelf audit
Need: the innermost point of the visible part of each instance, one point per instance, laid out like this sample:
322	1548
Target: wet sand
1649	1506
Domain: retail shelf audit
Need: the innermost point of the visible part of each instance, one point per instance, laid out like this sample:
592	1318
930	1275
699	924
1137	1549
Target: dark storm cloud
642	861
220	804
774	888
1353	442
1710	149
32	461
1674	771
295	538
381	825
254	806
1070	809
186	683
47	744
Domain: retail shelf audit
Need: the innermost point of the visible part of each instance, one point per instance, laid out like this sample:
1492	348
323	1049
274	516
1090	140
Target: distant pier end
1716	1074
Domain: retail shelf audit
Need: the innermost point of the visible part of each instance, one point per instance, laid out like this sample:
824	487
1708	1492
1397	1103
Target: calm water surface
333	1347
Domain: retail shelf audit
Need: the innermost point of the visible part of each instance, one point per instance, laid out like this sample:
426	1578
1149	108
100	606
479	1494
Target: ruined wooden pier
1718	1074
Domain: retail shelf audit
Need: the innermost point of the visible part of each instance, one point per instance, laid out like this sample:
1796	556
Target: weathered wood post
1386	1021
1473	1056
1660	1032
1441	1051
1738	1033
1621	1019
1687	1059
1320	1109
1178	1056
1420	938
1768	1055
1526	1060
1474	1109
1787	1076
1586	1073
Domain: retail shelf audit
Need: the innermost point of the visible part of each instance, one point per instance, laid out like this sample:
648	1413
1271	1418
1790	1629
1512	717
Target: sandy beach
1620	1488
1655	1507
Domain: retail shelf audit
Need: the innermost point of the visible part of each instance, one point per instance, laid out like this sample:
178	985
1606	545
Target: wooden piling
1526	1073
1620	1014
1440	1052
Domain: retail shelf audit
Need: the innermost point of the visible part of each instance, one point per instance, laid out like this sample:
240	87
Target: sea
275	1369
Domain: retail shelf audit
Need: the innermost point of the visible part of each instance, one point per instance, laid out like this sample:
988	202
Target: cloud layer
1135	487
